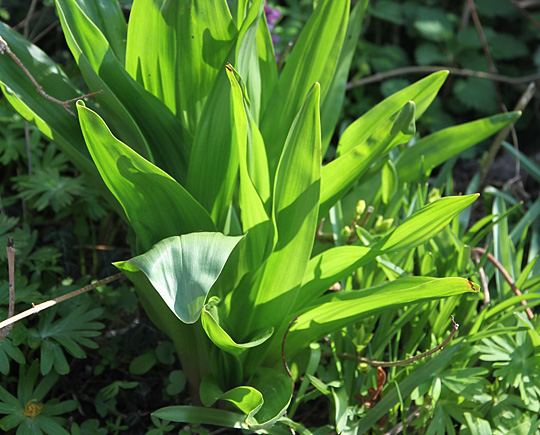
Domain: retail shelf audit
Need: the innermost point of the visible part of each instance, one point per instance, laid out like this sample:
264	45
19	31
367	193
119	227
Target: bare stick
507	277
283	346
487	54
4	48
526	14
379	77
483	279
11	276
412	359
496	145
40	307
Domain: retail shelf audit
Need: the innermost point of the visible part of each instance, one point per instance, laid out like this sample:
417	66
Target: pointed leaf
295	207
182	269
425	223
200	415
313	59
255	221
337	310
341	174
438	147
102	70
140	186
422	93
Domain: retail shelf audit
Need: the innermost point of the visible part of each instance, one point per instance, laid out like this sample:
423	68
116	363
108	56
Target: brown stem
506	276
379	77
412	359
40	307
11	277
496	145
483	279
4	48
487	54
526	14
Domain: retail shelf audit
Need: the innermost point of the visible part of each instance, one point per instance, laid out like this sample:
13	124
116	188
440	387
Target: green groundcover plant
215	161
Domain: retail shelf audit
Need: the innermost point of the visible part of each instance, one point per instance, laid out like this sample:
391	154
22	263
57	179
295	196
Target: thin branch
4	48
483	279
40	307
410	360
379	77
11	276
526	14
487	54
283	346
506	276
496	145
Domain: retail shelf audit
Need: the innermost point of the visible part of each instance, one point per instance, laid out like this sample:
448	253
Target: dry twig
40	307
506	276
4	48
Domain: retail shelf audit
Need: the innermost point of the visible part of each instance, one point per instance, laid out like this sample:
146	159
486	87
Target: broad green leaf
214	329
438	147
246	399
334	311
140	186
313	59
276	388
425	223
200	415
422	93
176	49
341	174
182	269
213	168
295	207
255	221
333	103
107	15
153	132
190	340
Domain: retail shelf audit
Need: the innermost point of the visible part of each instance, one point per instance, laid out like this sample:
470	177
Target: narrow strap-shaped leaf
334	311
140	186
264	298
107	15
247	60
333	103
313	59
255	220
422	93
182	269
200	415
424	224
213	167
165	140
341	174
438	147
176	50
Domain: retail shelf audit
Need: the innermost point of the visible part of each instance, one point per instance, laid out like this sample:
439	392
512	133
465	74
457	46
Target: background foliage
491	380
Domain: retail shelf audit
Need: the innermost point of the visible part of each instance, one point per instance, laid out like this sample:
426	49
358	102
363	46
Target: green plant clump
215	162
